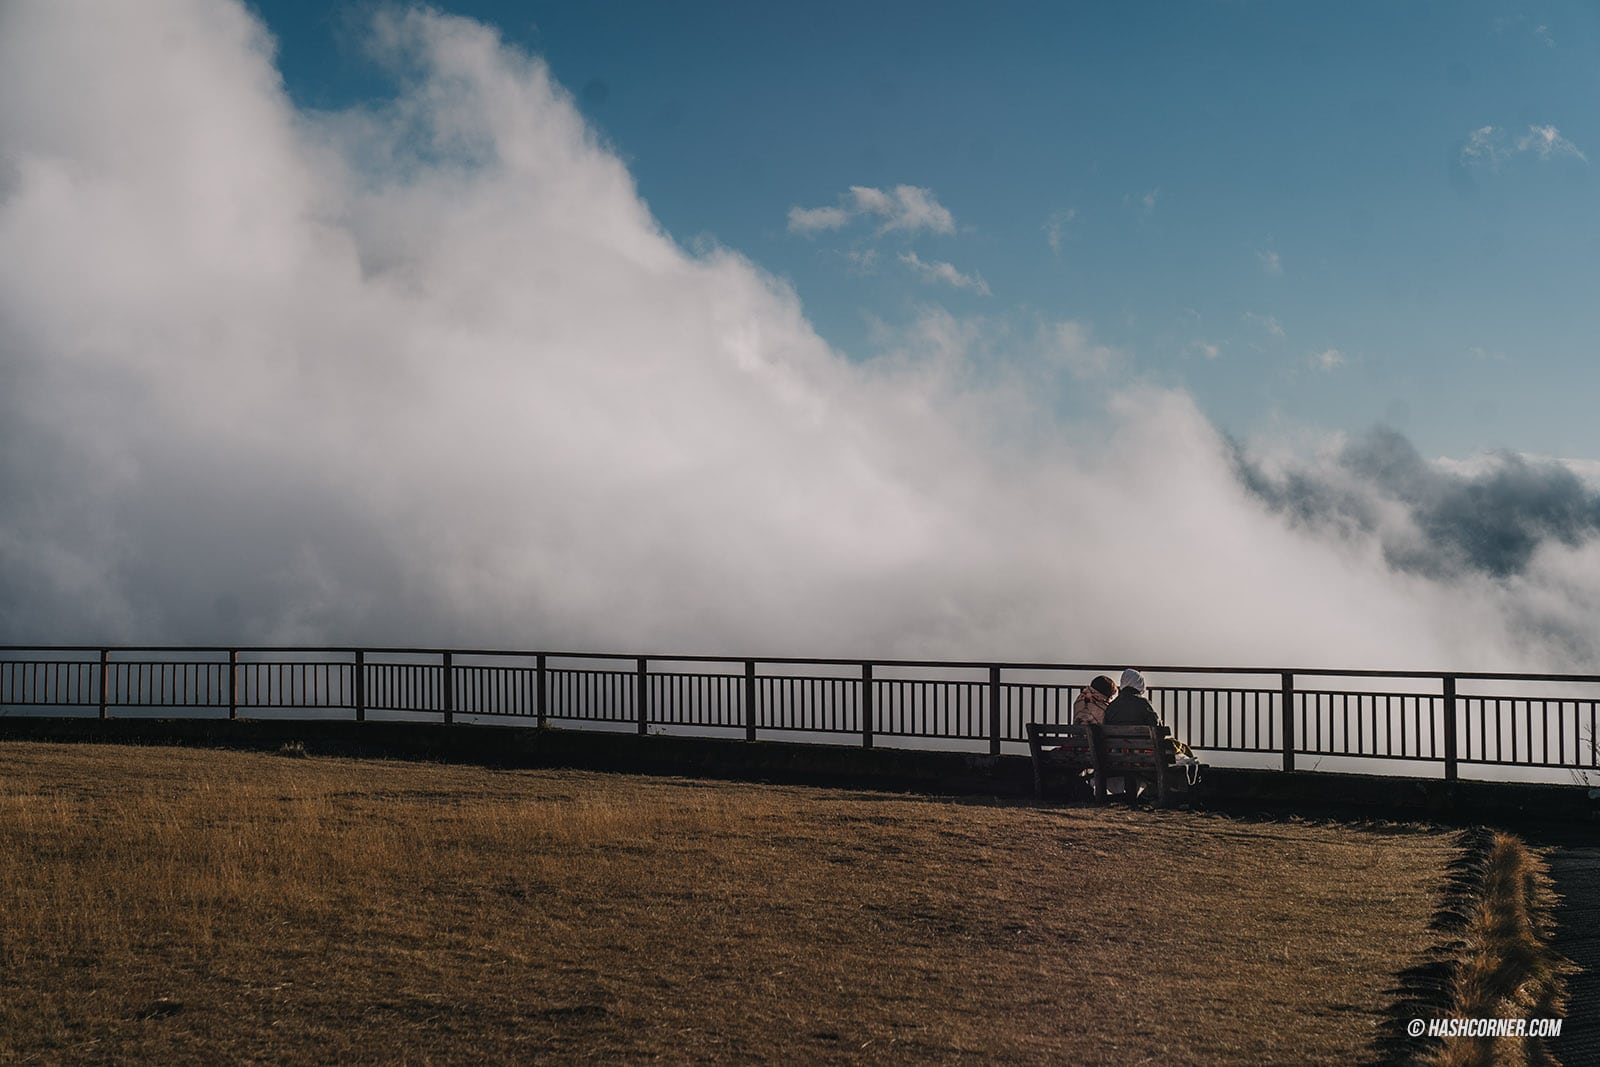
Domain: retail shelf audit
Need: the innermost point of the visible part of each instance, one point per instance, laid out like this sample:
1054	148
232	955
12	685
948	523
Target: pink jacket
1090	705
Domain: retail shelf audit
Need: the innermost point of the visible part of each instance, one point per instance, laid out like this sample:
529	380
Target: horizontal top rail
829	661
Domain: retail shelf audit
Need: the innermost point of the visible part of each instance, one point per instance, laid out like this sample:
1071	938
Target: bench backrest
1065	742
1050	733
1108	748
1131	748
1072	734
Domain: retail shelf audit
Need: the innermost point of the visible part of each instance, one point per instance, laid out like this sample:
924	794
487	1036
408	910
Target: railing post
541	707
749	700
866	705
1450	728
105	679
1288	721
449	688
643	698
361	685
233	683
994	711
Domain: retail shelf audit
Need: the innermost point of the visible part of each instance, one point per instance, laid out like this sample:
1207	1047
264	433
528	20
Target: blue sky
837	330
1312	217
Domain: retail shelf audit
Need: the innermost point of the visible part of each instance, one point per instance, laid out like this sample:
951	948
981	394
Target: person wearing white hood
1131	707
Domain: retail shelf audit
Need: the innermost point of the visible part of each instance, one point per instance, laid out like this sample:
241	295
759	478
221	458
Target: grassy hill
178	905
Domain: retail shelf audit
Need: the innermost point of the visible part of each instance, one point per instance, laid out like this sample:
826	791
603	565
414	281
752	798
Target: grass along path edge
1497	961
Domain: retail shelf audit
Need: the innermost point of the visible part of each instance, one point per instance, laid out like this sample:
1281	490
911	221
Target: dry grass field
164	905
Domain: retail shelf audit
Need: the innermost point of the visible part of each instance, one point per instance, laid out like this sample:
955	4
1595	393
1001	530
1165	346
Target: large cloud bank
431	373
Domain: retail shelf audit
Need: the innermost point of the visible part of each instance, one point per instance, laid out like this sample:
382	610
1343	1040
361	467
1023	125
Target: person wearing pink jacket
1091	703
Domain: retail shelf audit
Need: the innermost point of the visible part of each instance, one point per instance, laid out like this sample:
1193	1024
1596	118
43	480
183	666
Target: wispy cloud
1483	145
905	208
1520	24
1329	359
1145	202
945	273
862	260
813	219
1055	227
1068	344
1266	323
1013	352
1492	145
1205	348
1546	142
1270	263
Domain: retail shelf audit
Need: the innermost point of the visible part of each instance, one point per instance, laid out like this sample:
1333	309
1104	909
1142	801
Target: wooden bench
1061	748
1108	751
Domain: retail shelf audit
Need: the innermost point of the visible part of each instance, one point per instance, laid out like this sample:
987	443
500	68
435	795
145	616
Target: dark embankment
810	764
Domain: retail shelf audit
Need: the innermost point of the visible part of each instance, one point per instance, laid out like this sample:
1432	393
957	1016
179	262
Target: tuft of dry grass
171	905
1507	967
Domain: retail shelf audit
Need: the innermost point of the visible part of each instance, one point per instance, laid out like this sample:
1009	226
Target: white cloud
1055	227
1011	355
1540	32
1491	145
1069	345
811	220
430	373
862	260
1146	202
1546	142
945	273
905	209
1484	464
1205	348
1266	323
1328	359
1483	144
1270	263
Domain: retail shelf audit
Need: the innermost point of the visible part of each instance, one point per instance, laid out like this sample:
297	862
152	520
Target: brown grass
1508	969
169	905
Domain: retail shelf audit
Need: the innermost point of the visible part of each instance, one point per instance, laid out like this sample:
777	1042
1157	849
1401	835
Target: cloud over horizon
1430	519
431	373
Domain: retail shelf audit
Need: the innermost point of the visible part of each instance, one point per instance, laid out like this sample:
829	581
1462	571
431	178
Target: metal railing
1303	718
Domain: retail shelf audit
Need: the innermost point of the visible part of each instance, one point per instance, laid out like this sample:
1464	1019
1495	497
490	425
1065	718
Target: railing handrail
825	661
